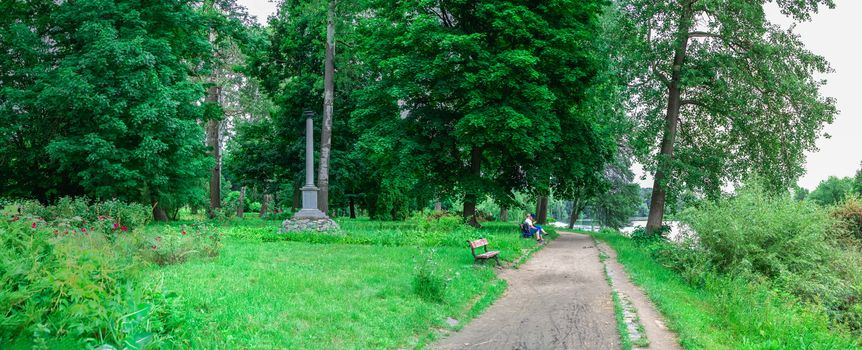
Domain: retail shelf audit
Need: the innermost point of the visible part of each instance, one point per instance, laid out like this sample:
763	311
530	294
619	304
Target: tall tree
328	99
620	202
97	99
832	190
723	92
470	93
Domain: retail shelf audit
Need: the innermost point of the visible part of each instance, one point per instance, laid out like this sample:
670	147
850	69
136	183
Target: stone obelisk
309	191
310	218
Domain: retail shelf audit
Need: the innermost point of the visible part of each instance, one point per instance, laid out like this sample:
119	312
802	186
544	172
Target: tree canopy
718	93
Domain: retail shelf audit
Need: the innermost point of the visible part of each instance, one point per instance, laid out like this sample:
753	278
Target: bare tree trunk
240	208
542	209
504	214
352	208
214	143
328	99
471	199
657	201
576	212
159	213
437	205
264	205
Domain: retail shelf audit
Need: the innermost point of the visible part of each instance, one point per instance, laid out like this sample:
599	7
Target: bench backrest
478	243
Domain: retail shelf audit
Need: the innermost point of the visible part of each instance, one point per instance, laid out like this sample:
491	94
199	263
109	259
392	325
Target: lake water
674	235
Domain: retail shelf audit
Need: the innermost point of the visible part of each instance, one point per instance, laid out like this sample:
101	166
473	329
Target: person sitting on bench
534	229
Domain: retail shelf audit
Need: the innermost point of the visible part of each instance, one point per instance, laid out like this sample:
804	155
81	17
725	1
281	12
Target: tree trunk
328	98
159	213
240	208
214	143
504	214
542	210
576	212
352	208
471	199
437	205
264	205
657	201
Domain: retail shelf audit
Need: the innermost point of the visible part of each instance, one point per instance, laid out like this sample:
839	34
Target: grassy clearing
353	290
726	314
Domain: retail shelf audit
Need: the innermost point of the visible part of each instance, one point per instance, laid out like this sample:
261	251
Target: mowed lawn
304	295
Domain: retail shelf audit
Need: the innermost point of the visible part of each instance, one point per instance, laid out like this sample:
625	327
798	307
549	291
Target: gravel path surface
559	299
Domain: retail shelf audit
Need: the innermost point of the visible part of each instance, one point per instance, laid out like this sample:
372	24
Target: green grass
727	314
354	290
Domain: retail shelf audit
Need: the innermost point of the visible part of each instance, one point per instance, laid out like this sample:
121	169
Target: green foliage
76	288
832	190
430	281
736	76
168	245
254	207
73	214
800	193
789	245
468	100
620	202
849	213
857	182
97	99
723	313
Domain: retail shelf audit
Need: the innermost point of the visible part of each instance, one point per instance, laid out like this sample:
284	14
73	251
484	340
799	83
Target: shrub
429	282
68	213
787	244
71	288
171	246
254	207
849	213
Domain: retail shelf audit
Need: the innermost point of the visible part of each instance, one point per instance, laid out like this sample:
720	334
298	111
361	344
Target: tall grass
727	313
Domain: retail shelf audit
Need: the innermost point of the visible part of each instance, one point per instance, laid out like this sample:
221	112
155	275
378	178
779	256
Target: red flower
184	232
116	225
83	229
124	228
15	218
33	225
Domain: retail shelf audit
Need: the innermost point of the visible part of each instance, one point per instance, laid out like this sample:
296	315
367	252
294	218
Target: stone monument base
299	224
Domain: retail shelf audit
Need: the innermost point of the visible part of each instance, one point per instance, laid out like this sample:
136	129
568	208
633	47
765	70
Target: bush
169	246
254	207
429	282
849	214
790	245
73	290
75	213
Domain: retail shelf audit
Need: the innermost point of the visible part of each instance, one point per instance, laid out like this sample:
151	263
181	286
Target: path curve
559	299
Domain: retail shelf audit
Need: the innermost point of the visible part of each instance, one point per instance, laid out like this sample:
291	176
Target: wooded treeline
175	103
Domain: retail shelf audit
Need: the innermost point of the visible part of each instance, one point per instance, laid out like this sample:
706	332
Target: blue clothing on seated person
535	229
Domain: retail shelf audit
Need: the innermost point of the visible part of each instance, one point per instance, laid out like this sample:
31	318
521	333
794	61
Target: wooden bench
487	254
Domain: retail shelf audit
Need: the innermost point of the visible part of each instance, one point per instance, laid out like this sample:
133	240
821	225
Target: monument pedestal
309	218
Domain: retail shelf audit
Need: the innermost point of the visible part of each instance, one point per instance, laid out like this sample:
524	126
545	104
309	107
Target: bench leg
498	260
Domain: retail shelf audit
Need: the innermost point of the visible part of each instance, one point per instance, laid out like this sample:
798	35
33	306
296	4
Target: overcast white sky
835	34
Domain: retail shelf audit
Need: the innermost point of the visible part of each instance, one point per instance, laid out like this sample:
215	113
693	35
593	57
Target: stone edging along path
641	317
558	299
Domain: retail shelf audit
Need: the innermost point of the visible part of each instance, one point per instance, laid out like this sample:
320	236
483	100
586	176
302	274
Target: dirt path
559	299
